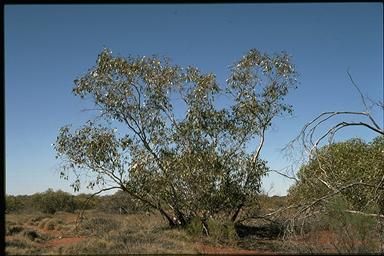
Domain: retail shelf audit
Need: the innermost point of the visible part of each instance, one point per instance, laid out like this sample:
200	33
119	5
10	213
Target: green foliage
52	201
218	231
354	233
195	227
83	201
223	232
191	166
13	203
354	163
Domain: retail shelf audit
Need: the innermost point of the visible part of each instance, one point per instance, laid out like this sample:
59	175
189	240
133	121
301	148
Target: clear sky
48	46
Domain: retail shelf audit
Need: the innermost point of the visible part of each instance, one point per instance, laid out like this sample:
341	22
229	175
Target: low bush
99	225
12	230
195	227
50	224
31	234
36	220
222	232
219	232
354	233
21	246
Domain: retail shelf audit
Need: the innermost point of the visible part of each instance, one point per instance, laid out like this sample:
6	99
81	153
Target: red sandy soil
59	240
322	238
63	241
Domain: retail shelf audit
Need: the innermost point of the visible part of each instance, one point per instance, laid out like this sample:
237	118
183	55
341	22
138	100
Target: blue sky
48	46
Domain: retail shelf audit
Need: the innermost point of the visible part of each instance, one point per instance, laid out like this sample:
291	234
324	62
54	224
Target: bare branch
365	214
363	100
81	213
285	175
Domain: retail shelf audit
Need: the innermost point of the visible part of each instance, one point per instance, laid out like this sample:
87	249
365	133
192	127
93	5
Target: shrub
13	230
354	233
340	164
51	201
14	204
99	225
52	224
222	232
195	227
31	234
43	223
36	220
218	231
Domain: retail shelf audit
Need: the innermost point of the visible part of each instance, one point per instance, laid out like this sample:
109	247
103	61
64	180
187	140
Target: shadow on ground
266	231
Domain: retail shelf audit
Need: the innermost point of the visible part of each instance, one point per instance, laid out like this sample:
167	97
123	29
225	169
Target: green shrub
222	231
14	204
355	233
51	201
195	227
338	165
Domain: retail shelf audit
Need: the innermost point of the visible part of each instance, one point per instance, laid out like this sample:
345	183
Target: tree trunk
180	217
171	222
234	217
154	206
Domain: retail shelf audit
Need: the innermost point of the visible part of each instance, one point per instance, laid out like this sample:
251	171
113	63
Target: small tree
353	169
196	165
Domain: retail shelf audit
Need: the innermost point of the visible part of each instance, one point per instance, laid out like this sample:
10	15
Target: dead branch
366	214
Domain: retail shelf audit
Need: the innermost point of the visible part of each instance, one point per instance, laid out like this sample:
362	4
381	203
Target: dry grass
122	234
102	233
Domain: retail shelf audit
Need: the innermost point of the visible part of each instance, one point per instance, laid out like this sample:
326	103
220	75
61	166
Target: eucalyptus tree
205	162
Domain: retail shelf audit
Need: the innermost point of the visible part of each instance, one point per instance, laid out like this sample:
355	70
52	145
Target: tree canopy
204	163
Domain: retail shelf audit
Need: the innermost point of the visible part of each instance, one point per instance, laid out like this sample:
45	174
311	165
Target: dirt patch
64	241
59	240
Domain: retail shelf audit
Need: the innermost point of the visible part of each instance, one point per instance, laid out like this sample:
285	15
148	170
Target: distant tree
83	202
121	202
52	201
14	203
196	165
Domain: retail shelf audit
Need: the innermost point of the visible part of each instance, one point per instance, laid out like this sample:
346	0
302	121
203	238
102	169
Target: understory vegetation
105	229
